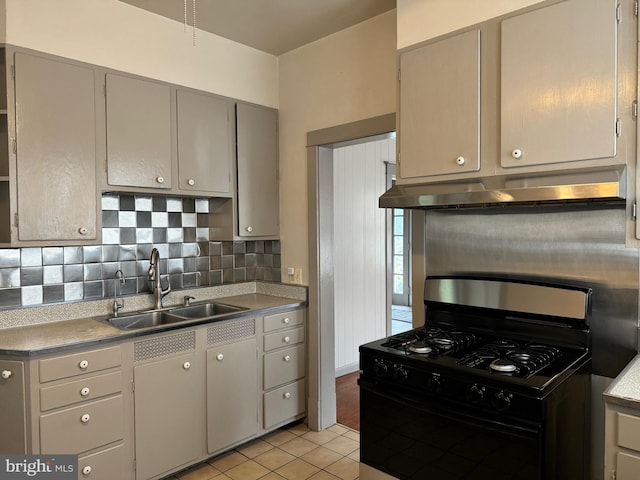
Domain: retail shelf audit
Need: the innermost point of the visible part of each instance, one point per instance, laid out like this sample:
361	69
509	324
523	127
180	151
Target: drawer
283	320
82	428
629	431
284	403
627	466
283	366
107	464
79	363
81	390
284	338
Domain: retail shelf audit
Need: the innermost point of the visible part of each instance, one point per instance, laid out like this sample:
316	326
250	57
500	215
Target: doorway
321	322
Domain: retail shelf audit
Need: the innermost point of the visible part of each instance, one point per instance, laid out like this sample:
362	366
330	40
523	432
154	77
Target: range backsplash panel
132	225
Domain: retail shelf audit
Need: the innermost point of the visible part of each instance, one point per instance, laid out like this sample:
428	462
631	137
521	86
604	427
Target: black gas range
500	364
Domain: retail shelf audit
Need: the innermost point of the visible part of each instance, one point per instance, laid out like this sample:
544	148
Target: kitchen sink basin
144	320
205	310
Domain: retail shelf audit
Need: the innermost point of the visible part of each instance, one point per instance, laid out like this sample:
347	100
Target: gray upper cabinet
55	134
138	132
559	84
204	143
439	115
257	164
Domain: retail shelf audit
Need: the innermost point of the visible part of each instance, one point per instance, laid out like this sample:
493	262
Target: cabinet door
204	144
439	107
257	146
12	413
56	150
169	414
559	84
138	132
232	389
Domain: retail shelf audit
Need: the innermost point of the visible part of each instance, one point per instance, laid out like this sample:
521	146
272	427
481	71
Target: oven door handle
426	404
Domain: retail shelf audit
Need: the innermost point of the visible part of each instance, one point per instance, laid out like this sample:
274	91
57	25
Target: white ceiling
273	26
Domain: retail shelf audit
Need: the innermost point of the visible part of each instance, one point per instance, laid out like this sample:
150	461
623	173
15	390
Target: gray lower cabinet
13	411
169	401
232	386
139	134
622	442
55	151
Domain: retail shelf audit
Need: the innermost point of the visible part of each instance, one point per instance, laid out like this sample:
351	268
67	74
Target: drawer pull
286	358
220	357
85	418
286	320
286	339
6	374
85	391
191	182
86	470
186	365
84	364
287	395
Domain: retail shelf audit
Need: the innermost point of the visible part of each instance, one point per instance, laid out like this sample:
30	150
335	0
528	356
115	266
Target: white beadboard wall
359	178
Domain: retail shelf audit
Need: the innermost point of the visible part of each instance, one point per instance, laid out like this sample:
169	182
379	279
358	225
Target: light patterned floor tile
298	446
279	437
321	457
345	468
322	475
202	471
342	445
354	455
248	470
339	429
298	428
273	476
353	435
321	437
297	470
255	448
227	460
274	459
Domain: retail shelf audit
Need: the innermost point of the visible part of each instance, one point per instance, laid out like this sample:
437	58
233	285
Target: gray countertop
625	389
48	336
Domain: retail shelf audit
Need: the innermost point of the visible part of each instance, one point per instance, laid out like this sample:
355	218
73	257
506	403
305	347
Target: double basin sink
158	318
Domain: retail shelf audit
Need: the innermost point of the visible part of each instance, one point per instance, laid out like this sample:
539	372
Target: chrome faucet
155	280
118	280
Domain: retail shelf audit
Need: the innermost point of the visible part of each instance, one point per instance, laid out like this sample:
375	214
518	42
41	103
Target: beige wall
342	78
420	20
117	35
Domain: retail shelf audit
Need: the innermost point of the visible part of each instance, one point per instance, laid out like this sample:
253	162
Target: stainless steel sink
144	320
205	310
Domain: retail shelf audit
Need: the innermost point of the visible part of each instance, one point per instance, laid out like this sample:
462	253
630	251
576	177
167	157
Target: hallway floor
291	453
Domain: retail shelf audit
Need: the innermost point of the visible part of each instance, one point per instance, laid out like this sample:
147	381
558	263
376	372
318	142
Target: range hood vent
601	184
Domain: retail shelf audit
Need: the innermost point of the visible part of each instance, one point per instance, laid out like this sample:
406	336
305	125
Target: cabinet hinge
13	72
634	211
618	127
618	13
635	8
398	75
14	146
635	109
15	220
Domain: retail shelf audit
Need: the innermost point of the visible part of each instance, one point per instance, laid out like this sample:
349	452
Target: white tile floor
290	453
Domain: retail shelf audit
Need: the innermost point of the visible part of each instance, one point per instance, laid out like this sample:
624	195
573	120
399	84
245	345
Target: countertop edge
625	389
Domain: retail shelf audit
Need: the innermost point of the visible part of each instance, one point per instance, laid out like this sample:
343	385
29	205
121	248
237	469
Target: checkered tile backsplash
131	226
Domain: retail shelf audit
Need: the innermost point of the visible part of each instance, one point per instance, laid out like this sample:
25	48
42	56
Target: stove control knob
400	374
475	394
434	383
380	368
501	401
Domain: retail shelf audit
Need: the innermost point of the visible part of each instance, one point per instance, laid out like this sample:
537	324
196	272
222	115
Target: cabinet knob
83	230
220	357
286	339
186	365
6	374
249	229
287	395
86	470
191	182
84	364
85	418
460	160
286	358
517	153
286	320
160	179
85	391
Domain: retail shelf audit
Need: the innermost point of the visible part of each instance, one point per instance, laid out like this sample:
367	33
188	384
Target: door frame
321	351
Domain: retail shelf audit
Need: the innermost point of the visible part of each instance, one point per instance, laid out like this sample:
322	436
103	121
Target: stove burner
420	347
443	342
502	365
432	341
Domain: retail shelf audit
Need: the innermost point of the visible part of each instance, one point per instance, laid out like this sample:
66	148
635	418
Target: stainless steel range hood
598	184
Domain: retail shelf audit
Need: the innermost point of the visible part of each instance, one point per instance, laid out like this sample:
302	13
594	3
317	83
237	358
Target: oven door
419	438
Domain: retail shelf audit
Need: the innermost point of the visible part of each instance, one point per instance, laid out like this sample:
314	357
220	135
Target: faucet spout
155	279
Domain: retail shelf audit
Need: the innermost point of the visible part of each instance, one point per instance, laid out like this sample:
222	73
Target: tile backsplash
132	225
